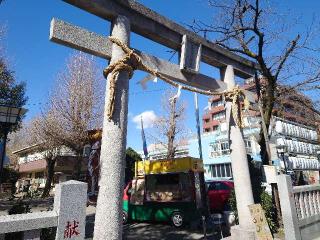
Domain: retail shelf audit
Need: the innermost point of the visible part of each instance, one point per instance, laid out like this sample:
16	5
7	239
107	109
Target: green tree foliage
11	93
131	157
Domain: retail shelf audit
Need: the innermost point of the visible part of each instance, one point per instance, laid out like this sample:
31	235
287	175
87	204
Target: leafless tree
32	134
18	140
47	146
75	107
253	29
170	129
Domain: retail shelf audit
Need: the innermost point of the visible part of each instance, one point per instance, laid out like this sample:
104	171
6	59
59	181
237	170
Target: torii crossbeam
126	16
72	36
160	29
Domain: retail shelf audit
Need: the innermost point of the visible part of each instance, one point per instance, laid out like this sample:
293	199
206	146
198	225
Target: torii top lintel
152	25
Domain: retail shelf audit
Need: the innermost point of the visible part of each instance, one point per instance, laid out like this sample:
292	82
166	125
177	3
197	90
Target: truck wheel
177	219
124	217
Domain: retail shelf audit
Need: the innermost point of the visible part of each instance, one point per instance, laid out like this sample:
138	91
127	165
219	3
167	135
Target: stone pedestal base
238	233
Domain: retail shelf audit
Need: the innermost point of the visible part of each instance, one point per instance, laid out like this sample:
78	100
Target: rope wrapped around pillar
132	61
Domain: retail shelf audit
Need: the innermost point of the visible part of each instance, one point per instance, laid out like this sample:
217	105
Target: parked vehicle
164	190
218	194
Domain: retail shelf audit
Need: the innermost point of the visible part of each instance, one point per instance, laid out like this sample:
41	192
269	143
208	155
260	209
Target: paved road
152	231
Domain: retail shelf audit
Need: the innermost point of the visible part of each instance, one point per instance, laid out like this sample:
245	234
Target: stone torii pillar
240	170
108	220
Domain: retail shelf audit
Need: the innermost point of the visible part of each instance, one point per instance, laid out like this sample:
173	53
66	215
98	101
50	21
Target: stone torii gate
127	16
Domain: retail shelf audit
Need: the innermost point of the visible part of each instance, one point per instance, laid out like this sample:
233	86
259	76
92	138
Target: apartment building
292	111
32	165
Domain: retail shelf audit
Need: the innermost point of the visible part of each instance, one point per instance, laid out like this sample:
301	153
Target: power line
148	91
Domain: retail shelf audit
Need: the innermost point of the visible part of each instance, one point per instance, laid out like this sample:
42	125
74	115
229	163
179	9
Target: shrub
233	205
266	204
269	210
259	195
19	207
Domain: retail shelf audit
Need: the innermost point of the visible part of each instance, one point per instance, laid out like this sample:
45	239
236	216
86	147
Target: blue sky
36	60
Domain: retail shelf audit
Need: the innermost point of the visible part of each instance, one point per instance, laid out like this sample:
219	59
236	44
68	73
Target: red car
218	194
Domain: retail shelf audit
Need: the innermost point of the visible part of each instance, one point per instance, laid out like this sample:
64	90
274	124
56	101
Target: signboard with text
259	219
169	165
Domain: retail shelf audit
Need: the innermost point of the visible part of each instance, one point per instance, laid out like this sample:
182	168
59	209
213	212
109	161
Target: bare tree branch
75	106
251	28
169	128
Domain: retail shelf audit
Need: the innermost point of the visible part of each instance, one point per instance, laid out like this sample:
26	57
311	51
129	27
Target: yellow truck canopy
184	164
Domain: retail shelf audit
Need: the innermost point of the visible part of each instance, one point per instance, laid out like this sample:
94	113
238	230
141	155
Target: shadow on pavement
144	231
151	231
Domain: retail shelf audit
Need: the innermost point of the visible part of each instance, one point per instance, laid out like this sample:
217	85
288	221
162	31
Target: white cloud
148	118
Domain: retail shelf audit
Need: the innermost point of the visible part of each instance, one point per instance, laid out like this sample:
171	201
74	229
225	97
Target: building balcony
217	109
209	126
215	99
208	113
206	116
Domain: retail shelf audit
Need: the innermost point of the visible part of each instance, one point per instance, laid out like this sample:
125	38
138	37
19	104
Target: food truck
165	190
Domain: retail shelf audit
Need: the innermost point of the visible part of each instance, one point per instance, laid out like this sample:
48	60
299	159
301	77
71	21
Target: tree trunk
172	130
50	172
267	105
263	148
